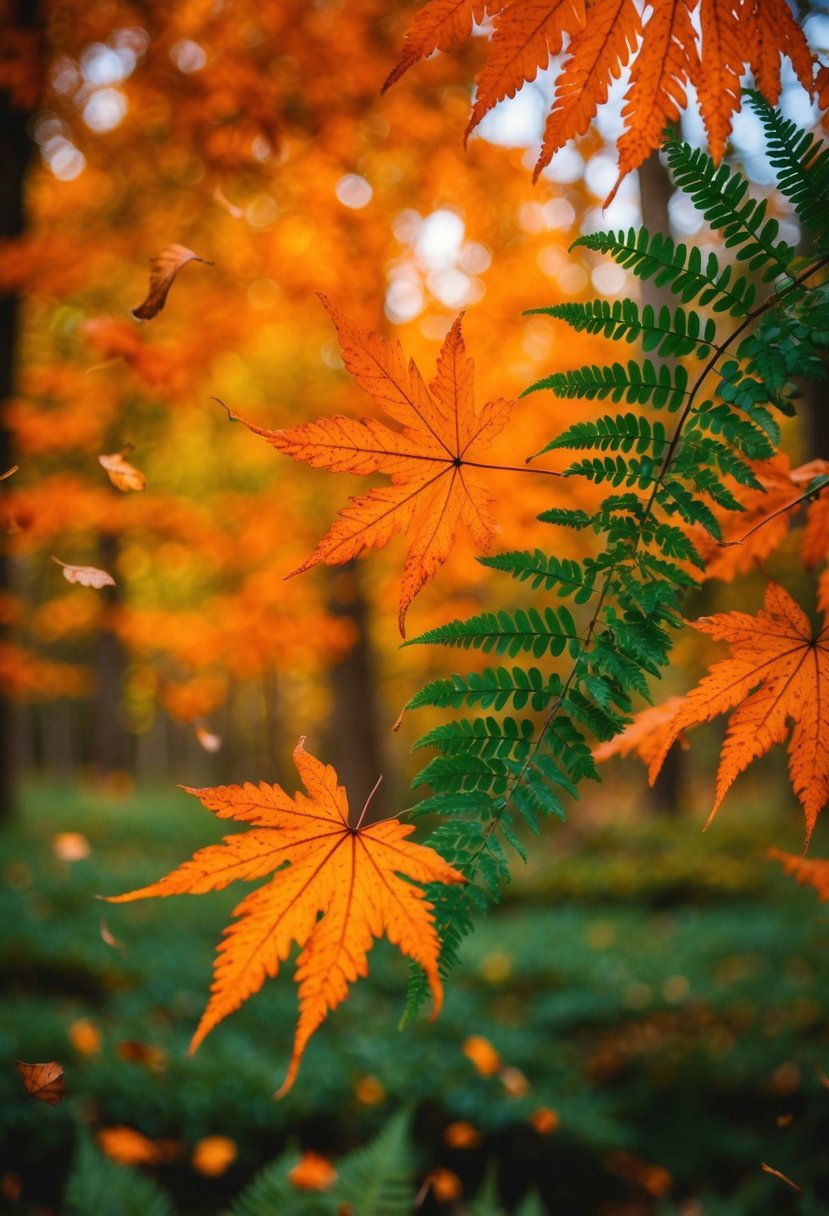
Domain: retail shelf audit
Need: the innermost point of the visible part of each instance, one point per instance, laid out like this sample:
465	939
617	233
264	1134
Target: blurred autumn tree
256	136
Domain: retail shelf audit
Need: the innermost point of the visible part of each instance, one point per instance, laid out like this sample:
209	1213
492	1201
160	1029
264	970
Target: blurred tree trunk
15	150
355	748
111	745
655	189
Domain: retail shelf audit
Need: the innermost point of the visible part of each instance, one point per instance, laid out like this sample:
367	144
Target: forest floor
665	993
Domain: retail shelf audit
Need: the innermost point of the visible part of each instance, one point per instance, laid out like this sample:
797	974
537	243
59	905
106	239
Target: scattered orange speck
514	1082
85	1037
127	1146
213	1156
70	846
545	1121
461	1134
152	1057
11	1186
313	1173
445	1184
369	1091
482	1054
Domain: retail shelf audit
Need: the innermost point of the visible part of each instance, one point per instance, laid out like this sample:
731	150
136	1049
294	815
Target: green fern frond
527	631
98	1187
654	256
675	333
722	197
377	1180
492	688
801	163
619	432
503	738
661	386
566	577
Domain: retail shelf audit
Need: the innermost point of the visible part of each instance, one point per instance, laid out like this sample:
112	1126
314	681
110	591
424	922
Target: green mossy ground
665	992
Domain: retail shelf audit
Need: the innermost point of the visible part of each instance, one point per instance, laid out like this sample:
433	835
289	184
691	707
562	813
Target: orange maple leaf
777	671
766	518
645	735
809	873
428	459
334	889
667	51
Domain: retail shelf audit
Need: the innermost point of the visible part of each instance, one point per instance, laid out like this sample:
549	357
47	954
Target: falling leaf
85	576
777	671
428	460
769	1169
208	740
70	846
121	473
163	271
43	1081
108	938
226	205
8	473
213	1156
313	1173
337	888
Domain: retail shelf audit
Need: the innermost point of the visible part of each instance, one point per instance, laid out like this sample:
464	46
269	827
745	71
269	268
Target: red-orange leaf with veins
334	889
645	735
43	1081
778	672
428	459
669	49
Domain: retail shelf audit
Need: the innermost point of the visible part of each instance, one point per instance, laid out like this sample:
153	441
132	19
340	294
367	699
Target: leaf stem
368	801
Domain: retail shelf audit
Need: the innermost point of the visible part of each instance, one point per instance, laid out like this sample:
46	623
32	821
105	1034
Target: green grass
665	992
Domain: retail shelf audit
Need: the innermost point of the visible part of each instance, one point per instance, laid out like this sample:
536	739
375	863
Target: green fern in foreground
674	457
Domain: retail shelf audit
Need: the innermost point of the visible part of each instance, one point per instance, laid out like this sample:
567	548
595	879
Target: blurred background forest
654	1001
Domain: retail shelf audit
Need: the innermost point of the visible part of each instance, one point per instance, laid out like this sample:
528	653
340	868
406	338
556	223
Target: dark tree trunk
15	150
355	748
656	188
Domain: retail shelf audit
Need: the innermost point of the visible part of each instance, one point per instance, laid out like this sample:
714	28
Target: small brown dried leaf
86	576
163	272
769	1169
43	1081
121	473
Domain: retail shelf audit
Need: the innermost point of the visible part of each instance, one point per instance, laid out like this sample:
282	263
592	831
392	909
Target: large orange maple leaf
334	889
778	671
667	50
428	459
